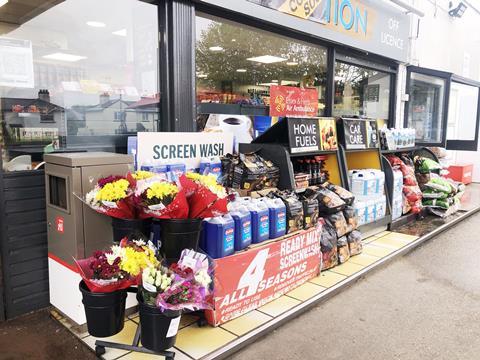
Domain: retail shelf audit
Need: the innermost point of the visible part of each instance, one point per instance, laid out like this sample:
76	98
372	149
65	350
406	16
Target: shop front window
74	70
361	92
236	65
426	107
462	112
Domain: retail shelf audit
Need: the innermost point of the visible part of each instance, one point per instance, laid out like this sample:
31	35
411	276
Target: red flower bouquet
206	198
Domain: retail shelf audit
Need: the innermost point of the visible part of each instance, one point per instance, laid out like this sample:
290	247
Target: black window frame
466	145
446	96
334	51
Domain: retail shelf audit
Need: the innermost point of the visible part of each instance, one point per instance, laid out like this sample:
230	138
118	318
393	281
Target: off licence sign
250	279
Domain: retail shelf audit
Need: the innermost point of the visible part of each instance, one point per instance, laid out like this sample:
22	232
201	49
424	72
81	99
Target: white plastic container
380	207
397	183
370	211
397	207
360	211
362	182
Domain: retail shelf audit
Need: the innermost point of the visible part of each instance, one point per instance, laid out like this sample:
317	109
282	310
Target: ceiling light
274	81
3	2
96	24
268	84
64	57
267	59
202	76
234	40
215	48
242	70
291	63
122	32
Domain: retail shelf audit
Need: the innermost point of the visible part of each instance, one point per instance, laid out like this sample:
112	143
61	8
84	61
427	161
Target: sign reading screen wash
181	147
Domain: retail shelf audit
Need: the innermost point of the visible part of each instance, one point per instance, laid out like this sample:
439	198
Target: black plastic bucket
105	312
125	227
158	329
177	235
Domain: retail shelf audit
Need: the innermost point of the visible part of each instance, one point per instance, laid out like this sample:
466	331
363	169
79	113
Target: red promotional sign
250	279
59	224
293	101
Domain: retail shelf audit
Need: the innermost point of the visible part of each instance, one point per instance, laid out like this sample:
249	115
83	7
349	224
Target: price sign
303	135
250	279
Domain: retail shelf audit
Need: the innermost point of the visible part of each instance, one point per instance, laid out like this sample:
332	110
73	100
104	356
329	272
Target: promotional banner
328	134
250	279
293	101
186	148
372	134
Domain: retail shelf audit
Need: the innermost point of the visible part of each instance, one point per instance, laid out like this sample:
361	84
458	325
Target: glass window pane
462	112
425	107
237	64
362	92
74	70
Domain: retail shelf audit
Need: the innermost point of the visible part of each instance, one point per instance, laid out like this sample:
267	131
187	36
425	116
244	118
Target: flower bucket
105	312
125	227
158	329
177	235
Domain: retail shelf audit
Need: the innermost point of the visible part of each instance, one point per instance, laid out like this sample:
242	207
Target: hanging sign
303	135
355	133
247	280
293	101
181	147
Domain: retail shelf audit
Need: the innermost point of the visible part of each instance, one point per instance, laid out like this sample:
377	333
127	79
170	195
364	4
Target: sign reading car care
303	135
293	101
250	279
355	133
185	148
370	25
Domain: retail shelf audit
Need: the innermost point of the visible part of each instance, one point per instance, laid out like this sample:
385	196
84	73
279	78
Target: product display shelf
366	159
233	109
412	152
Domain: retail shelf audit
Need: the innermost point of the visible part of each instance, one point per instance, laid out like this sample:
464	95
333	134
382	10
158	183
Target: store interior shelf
232	109
361	150
380	223
397	151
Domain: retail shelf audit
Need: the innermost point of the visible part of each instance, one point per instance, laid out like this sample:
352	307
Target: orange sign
250	279
293	101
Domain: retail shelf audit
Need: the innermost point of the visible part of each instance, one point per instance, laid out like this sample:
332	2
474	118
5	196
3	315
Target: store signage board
247	280
360	133
181	147
303	135
293	101
368	25
328	134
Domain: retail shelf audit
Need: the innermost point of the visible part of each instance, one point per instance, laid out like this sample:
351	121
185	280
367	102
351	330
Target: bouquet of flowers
183	285
206	198
111	196
161	199
117	268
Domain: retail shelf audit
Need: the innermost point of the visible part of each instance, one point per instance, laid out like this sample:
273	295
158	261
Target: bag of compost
426	166
350	218
328	246
355	242
339	223
441	184
343	250
328	201
344	194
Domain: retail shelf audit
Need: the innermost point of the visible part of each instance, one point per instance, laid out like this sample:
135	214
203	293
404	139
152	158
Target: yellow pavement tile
140	356
279	306
328	279
377	250
364	259
124	337
390	242
306	291
400	236
370	239
383	233
347	268
246	323
199	341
